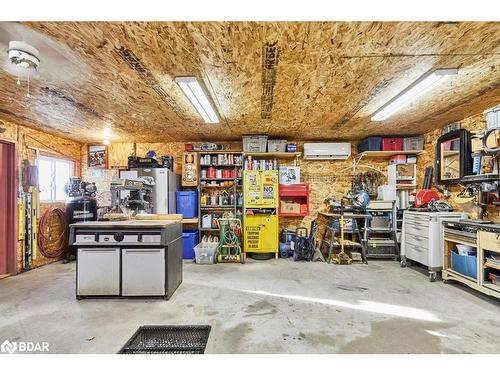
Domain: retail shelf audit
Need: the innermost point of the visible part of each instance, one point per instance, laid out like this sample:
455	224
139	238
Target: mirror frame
465	155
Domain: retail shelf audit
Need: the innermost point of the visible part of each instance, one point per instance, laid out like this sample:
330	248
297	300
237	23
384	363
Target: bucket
189	241
186	203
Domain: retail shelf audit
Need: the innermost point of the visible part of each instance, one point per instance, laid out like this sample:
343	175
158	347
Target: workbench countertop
126	224
348	215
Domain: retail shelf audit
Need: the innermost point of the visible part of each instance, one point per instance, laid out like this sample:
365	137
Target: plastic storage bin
413	143
189	241
205	253
464	264
254	143
276	145
370	144
392	144
186	203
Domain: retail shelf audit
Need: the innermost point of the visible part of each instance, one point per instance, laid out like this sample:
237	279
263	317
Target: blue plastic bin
370	144
464	264
186	203
189	241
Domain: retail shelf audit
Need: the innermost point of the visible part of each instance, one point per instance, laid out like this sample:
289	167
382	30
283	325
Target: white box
386	193
289	175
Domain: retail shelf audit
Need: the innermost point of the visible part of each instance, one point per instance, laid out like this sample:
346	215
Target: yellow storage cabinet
261	227
261	233
260	189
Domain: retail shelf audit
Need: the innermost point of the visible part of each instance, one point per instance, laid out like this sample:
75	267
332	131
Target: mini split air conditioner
327	151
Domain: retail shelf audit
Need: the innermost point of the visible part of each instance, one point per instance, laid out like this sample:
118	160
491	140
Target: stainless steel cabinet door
143	272
98	272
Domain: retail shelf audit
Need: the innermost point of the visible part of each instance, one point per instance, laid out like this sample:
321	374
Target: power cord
47	245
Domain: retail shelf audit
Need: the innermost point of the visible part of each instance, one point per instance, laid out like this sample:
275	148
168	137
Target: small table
332	217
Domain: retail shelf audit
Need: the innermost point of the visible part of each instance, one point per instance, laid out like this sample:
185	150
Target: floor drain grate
167	340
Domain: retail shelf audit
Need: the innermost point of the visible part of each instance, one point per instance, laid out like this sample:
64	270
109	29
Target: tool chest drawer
489	240
419	241
417	229
416	253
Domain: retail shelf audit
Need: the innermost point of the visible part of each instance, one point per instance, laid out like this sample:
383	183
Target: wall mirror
453	156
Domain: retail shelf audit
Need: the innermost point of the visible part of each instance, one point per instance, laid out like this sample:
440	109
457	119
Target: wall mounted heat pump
327	151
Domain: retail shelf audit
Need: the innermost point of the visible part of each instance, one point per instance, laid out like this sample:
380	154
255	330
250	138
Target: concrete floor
275	306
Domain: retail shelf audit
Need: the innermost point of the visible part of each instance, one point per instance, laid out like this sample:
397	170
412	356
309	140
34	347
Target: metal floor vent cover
168	340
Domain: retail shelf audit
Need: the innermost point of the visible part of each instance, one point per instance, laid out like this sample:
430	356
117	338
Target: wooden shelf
193	220
480	178
491	265
460	241
225	207
406	186
459	275
221	179
388	154
209	229
490	285
219	186
277	155
218	152
221	165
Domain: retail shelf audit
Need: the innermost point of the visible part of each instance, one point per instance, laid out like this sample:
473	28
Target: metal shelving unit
212	184
381	241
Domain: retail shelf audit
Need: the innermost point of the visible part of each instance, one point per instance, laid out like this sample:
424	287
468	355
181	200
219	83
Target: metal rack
384	243
210	184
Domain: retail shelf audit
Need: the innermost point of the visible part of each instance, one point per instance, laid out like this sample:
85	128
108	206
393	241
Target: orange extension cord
48	246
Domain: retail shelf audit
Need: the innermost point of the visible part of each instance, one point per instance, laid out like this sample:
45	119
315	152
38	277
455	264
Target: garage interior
297	187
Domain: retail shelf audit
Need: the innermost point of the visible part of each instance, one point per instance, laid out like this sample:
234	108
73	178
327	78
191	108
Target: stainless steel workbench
127	258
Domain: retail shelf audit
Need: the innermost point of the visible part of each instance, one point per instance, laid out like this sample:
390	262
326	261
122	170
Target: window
53	174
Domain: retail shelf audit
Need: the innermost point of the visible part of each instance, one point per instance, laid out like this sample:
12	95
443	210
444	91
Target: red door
7	207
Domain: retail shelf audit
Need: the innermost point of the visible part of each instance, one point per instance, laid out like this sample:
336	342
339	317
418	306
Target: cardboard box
405	171
290	207
476	144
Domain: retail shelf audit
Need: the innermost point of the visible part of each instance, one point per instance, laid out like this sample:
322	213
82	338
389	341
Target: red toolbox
291	196
392	144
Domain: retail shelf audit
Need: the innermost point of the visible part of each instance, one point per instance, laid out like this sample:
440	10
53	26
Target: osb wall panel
328	179
47	144
325	178
473	123
118	154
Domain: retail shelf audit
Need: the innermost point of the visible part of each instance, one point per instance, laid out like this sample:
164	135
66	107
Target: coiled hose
49	246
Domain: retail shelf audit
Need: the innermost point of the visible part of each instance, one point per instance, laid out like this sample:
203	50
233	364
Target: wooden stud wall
48	144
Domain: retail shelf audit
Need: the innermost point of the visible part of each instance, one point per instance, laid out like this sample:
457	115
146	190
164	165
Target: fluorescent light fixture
198	98
412	92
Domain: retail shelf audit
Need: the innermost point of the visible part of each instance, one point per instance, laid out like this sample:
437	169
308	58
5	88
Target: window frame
53	187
